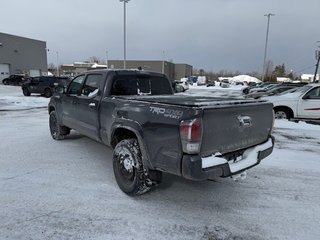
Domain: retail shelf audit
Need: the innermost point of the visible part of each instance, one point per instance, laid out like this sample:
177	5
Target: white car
184	84
304	103
202	80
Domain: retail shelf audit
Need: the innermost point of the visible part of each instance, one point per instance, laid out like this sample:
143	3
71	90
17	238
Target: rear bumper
196	168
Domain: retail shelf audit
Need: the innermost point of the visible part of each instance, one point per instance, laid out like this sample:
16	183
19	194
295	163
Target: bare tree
51	67
94	59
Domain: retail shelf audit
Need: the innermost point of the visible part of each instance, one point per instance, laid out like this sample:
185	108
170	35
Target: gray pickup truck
152	130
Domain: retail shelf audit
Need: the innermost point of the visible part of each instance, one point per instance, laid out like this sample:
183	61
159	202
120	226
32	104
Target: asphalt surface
66	190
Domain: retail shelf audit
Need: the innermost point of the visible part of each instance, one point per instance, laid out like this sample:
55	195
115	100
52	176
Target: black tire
47	92
5	82
282	113
26	92
128	168
58	132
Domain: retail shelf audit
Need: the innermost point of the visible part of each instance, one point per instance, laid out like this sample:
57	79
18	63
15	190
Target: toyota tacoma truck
152	130
298	104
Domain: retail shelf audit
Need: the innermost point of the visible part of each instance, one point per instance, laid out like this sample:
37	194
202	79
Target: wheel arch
281	107
121	132
51	108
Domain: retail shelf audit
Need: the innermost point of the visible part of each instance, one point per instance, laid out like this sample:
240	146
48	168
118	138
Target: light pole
107	58
317	65
266	46
58	74
124	33
163	52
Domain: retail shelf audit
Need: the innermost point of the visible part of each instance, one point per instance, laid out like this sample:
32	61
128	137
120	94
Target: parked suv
43	85
15	79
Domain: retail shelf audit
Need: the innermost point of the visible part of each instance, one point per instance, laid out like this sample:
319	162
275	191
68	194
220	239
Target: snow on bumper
197	168
249	158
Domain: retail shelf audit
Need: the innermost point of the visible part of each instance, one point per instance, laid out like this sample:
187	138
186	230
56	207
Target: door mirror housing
60	89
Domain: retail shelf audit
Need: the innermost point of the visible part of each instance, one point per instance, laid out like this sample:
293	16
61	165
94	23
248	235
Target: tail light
191	135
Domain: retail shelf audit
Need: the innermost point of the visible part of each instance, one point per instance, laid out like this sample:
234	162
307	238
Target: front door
87	105
309	104
68	100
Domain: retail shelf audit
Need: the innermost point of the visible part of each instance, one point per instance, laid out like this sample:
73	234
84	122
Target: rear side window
141	85
47	80
76	85
35	79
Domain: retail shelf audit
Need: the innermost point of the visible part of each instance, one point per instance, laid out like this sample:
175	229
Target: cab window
76	85
314	93
92	84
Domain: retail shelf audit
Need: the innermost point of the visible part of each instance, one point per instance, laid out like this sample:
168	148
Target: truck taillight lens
191	135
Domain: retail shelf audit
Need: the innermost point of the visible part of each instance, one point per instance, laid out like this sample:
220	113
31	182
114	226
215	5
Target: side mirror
60	89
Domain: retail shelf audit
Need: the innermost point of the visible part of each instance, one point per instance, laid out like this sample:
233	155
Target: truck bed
192	101
229	124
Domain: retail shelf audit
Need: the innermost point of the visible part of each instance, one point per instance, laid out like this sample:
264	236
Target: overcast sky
208	34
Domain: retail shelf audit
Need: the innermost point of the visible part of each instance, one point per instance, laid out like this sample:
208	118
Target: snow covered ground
66	189
11	98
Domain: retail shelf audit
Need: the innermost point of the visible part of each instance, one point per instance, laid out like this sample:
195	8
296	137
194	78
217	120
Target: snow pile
11	98
215	91
244	78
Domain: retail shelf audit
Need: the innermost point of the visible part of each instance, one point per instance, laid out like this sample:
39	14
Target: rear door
34	85
44	82
309	104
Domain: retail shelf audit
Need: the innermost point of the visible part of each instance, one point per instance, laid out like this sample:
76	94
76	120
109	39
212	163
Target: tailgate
235	127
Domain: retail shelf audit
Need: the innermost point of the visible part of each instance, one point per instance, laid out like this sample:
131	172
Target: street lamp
266	46
58	73
107	53
163	53
317	65
124	32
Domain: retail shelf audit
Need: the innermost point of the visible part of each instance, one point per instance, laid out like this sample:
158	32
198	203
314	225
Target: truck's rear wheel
128	168
57	131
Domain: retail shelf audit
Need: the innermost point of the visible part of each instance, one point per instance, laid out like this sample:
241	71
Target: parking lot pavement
66	190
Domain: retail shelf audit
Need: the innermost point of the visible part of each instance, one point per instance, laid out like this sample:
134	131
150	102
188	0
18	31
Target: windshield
290	90
304	89
298	90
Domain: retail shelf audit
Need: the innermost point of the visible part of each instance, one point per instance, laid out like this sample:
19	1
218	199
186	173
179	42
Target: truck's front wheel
57	131
128	168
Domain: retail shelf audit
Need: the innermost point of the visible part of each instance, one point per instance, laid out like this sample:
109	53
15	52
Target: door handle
92	105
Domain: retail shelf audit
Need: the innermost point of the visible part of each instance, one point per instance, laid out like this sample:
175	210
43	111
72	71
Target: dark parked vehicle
154	131
15	79
44	85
